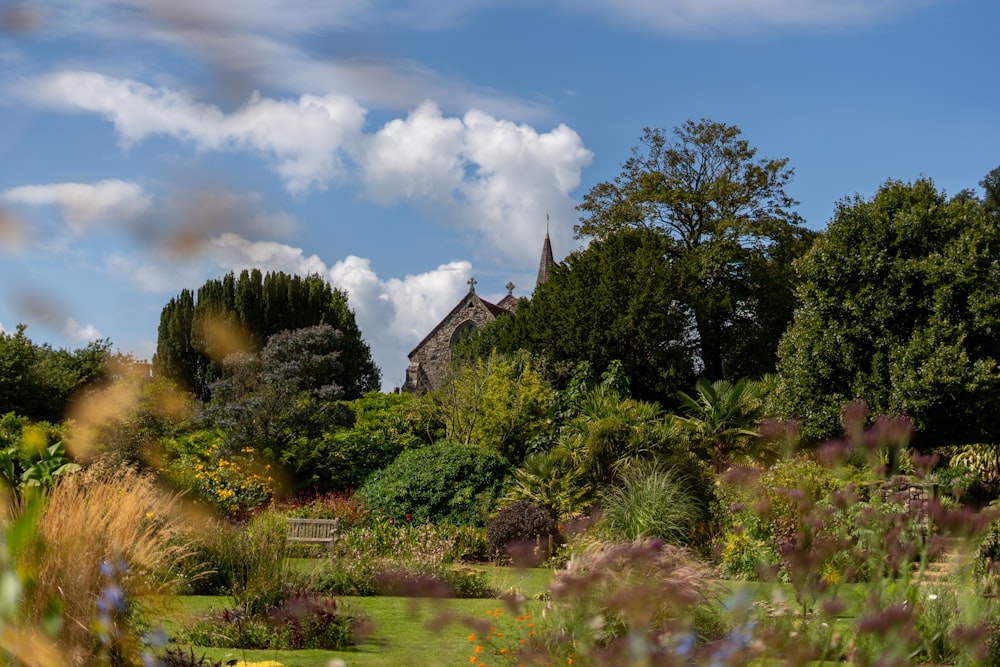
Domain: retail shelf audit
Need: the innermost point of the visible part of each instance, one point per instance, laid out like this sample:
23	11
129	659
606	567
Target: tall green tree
38	381
730	232
234	314
900	309
614	300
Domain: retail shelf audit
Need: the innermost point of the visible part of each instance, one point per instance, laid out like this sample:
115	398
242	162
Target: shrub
235	483
445	483
302	621
468	582
398	559
986	564
957	482
217	561
651	501
521	530
469	545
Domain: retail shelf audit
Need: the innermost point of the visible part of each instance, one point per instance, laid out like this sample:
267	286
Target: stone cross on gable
510	288
472	284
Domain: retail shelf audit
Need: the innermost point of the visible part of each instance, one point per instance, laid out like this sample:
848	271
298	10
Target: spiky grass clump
104	538
652	501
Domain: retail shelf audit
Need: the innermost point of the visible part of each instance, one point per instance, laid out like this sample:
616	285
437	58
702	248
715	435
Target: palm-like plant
611	433
722	419
548	480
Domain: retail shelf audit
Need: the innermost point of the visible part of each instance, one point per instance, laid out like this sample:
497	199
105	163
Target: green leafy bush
986	564
521	530
789	488
341	459
235	483
468	582
442	483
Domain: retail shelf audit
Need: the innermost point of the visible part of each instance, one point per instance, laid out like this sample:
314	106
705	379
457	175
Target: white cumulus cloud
394	314
499	178
84	204
80	332
303	137
237	253
493	177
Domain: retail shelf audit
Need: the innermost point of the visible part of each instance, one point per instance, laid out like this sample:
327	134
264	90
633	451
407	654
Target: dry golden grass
93	517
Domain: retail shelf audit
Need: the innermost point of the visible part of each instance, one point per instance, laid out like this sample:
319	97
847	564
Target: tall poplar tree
239	314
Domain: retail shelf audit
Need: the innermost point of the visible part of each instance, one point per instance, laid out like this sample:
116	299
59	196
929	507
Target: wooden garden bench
311	530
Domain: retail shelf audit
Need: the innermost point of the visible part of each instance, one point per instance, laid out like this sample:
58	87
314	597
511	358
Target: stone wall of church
429	363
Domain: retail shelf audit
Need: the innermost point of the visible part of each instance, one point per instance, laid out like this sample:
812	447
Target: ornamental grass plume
93	522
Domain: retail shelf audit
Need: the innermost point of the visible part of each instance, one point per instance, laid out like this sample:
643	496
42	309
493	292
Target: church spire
547	261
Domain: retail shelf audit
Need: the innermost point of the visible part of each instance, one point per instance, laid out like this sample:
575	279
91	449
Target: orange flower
472	638
478	649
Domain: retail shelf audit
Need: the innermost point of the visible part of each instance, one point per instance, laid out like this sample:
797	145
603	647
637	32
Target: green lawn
527	582
405	631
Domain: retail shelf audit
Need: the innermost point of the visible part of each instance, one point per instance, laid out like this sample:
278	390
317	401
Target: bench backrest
311	530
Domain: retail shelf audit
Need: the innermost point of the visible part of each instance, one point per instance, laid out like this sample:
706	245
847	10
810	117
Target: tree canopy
614	300
688	273
900	309
730	233
37	381
234	314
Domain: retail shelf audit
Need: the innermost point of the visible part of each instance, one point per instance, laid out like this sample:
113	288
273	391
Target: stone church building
430	358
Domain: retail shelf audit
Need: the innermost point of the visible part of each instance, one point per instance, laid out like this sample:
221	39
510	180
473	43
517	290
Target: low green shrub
444	483
259	584
986	561
469	545
468	582
246	562
521	531
400	559
217	559
300	622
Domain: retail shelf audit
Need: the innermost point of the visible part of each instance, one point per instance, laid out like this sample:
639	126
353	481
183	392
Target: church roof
494	310
546	262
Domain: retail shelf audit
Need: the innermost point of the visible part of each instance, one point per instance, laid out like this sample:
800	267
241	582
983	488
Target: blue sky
399	148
